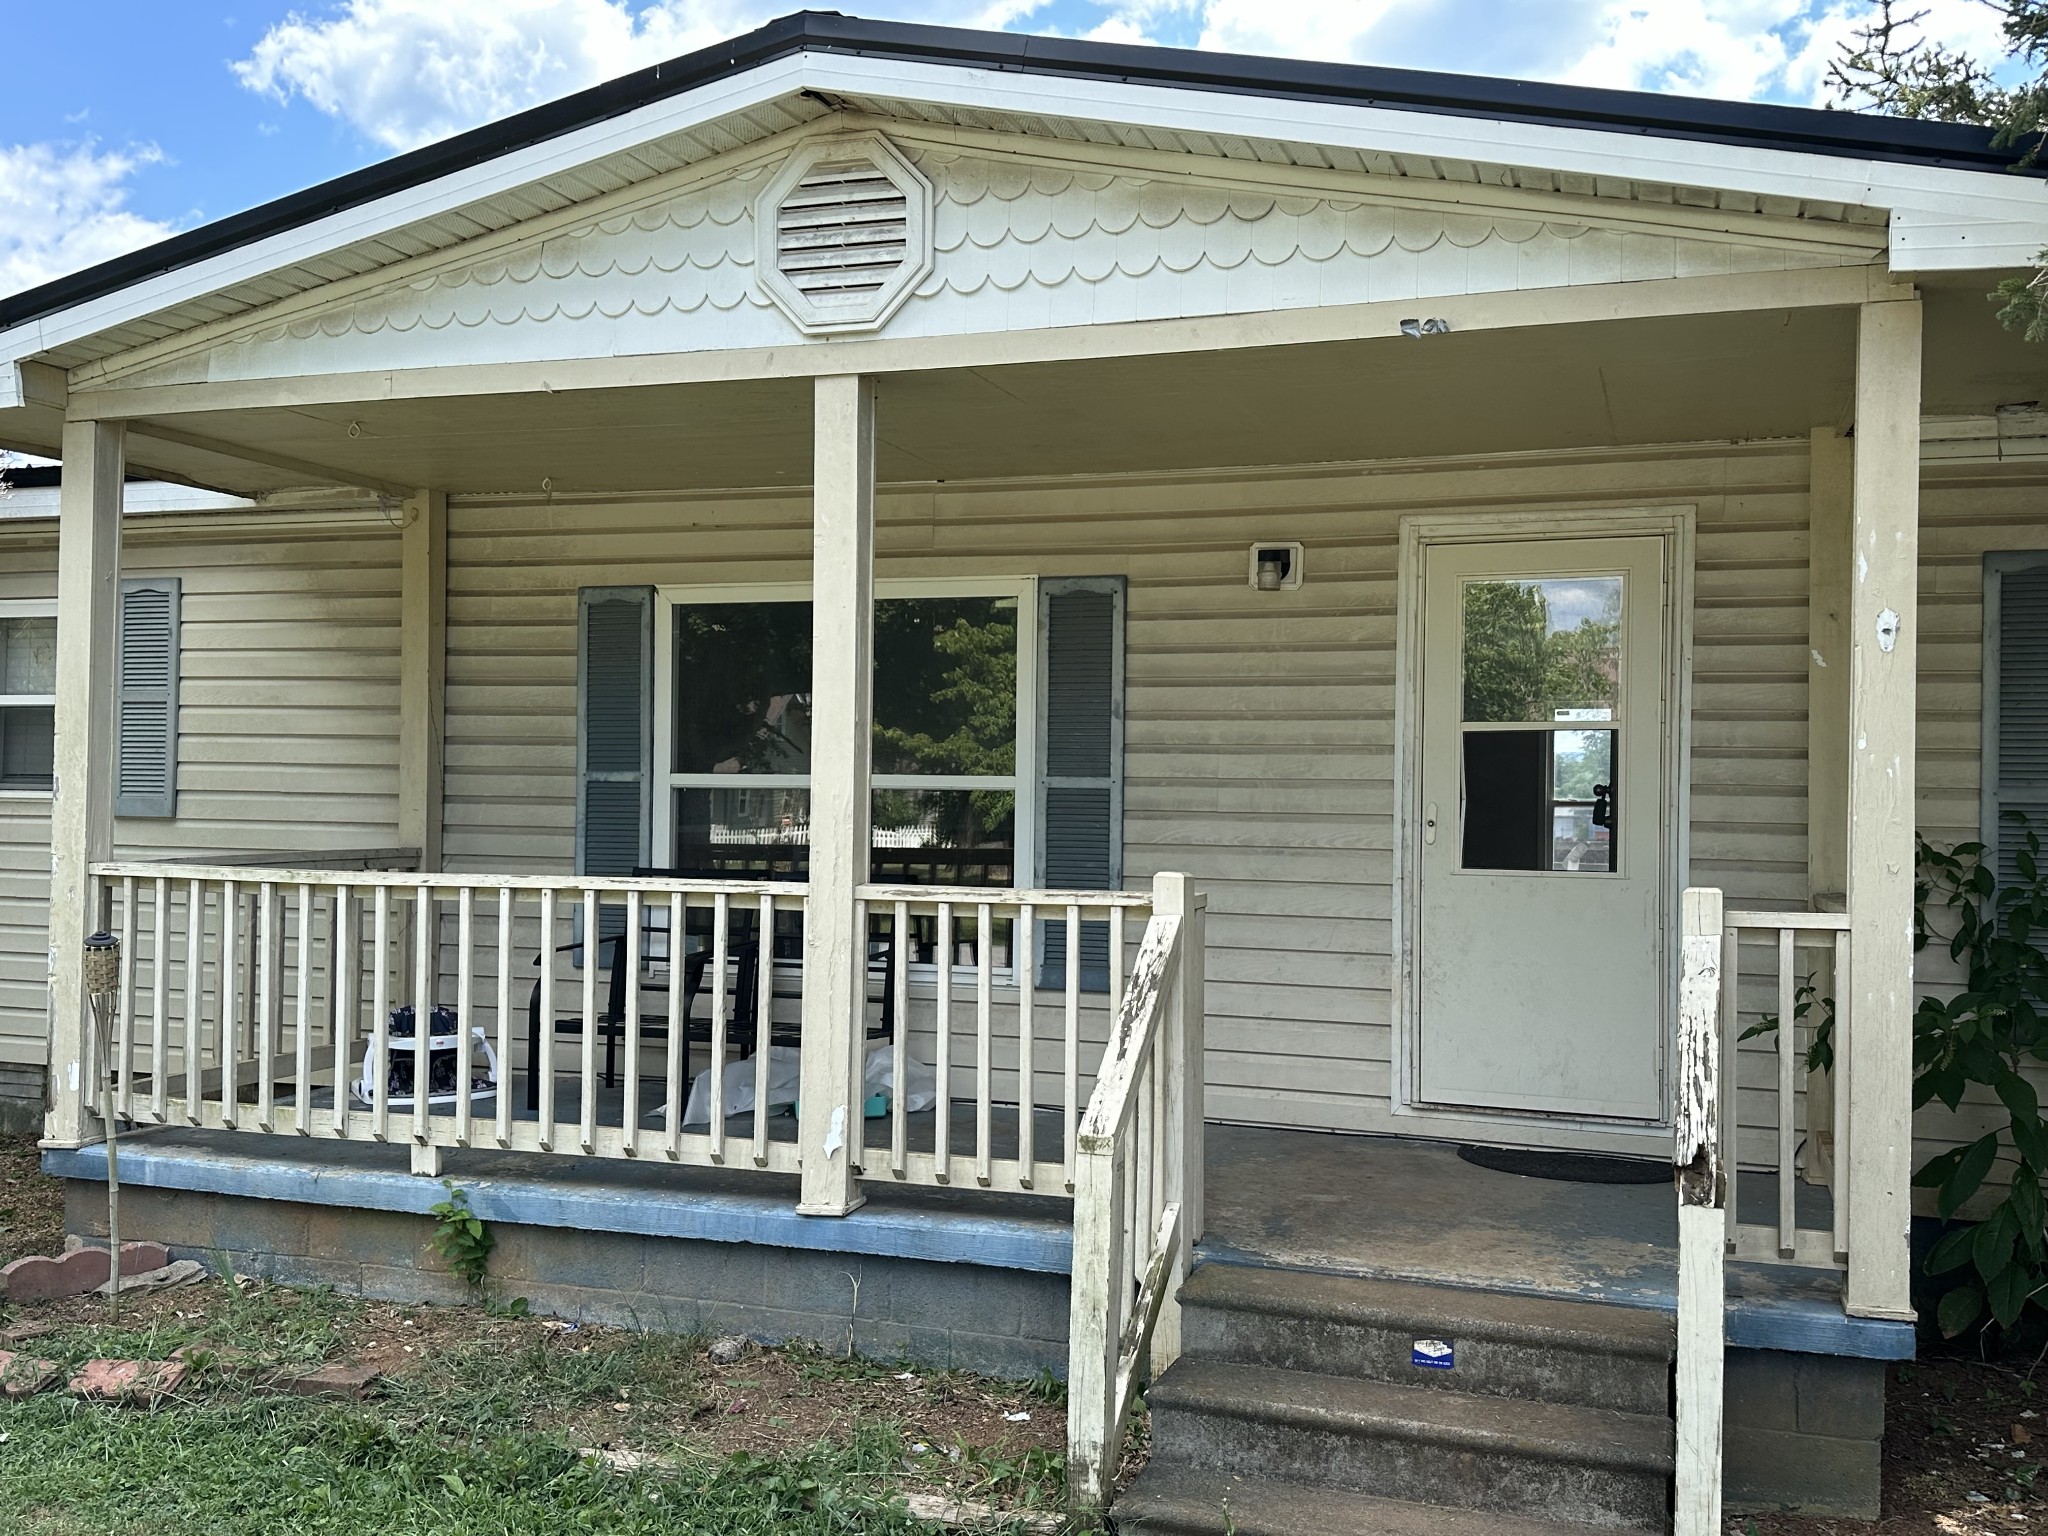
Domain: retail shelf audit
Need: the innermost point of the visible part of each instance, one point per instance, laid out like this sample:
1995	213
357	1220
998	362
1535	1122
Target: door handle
1429	822
1603	806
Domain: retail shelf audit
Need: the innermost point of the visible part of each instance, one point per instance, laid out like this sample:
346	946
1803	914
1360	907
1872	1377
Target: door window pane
1539	800
1543	650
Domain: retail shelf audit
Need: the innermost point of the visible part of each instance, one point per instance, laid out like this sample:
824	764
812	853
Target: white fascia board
1962	214
487	179
1952	219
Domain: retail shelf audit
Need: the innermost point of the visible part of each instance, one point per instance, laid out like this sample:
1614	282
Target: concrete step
1528	1347
1171	1501
1551	1461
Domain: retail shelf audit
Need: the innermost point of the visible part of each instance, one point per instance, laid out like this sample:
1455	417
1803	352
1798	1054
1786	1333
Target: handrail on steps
1137	1192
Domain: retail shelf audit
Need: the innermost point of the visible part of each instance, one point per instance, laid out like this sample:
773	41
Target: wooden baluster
629	1104
984	1045
503	1095
230	994
544	1064
1095	1334
195	998
678	1070
1027	1045
721	929
593	950
267	1016
423	988
764	1021
1843	1024
899	1061
124	1008
378	1077
347	963
1071	1066
1788	1063
159	1002
942	1122
302	1022
465	989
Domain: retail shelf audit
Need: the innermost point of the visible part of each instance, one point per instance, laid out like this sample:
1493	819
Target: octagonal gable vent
845	233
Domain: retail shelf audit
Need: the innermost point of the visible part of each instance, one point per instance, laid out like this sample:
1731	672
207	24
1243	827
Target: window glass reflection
1545	650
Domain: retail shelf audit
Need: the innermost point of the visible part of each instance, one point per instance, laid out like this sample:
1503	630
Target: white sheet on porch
878	1075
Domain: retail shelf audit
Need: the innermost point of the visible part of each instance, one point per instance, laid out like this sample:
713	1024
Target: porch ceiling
1646	381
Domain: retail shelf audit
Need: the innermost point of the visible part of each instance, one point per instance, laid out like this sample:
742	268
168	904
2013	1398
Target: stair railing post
1702	1239
1100	1277
1181	1068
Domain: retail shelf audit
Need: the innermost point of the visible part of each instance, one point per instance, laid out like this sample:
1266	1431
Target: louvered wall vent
845	233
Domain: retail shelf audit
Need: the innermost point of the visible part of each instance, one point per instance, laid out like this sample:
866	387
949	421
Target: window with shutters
843	233
28	696
146	698
2015	763
951	744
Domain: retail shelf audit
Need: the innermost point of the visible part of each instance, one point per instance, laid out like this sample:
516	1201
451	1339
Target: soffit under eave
1581	195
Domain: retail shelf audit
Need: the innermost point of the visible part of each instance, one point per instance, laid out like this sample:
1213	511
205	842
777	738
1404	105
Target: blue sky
123	121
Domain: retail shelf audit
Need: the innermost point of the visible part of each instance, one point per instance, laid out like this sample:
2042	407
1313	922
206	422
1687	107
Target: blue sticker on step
1433	1354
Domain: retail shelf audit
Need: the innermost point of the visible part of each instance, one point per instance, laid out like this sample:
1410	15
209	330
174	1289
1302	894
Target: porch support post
82	807
1830	509
1181	1072
1883	613
422	673
842	671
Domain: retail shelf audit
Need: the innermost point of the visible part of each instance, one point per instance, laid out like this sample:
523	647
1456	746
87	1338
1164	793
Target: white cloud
64	206
404	72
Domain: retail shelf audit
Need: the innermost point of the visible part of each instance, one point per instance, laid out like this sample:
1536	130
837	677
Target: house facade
1259	585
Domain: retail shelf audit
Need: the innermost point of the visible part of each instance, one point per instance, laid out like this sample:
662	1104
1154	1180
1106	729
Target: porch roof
1595	145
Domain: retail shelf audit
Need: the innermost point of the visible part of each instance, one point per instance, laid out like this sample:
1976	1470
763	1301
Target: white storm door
1540	958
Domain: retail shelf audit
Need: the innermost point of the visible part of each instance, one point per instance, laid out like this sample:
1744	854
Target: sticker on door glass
1433	1354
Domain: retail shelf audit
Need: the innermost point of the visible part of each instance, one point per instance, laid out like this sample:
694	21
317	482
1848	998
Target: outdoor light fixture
1276	567
102	987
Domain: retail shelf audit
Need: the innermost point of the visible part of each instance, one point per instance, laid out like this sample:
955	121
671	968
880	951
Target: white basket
482	1054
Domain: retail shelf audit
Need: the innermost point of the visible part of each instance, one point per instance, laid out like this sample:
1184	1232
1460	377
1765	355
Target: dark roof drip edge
1745	124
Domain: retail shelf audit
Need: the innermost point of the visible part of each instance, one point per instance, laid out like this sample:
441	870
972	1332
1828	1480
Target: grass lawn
486	1424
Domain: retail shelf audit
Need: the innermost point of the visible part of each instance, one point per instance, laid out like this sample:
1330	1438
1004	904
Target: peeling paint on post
1702	1190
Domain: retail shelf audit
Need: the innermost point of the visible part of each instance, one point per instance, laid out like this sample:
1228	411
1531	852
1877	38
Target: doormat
1569	1167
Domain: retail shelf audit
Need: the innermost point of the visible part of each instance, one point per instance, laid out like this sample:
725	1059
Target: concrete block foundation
938	1315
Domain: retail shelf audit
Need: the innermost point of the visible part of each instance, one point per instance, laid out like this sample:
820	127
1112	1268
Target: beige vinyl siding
1260	726
24	862
288	710
1966	511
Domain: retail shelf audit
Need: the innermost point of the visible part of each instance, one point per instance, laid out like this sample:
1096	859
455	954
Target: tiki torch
102	987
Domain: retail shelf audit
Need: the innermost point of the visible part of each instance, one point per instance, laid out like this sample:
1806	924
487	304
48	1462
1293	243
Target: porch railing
1137	1193
259	998
1821	939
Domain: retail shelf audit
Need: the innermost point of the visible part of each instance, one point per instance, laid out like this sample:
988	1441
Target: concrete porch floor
1363	1205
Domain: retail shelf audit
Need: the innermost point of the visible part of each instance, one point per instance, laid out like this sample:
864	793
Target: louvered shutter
146	695
1081	736
2016	724
614	728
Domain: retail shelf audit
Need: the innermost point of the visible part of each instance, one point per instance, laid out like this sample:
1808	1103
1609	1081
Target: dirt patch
31	1202
1965	1442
